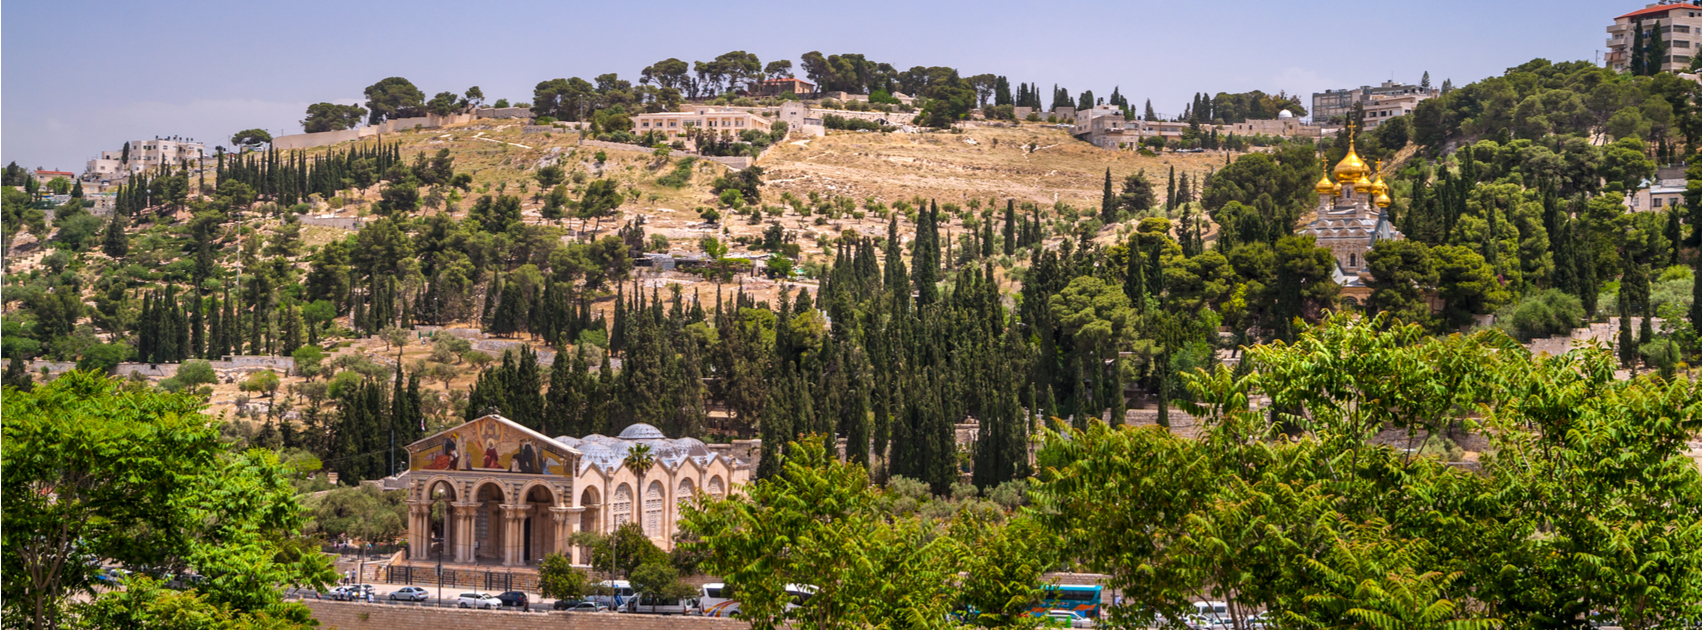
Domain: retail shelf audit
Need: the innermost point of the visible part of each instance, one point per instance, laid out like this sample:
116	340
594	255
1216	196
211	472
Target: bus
1082	599
716	600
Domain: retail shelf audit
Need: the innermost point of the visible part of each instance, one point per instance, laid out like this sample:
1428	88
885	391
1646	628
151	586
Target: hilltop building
1331	103
512	496
711	119
1352	217
1681	29
142	155
787	85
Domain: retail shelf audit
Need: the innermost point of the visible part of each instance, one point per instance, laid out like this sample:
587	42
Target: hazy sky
82	76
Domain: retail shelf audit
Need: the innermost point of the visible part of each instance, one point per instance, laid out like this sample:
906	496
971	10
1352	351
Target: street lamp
441	542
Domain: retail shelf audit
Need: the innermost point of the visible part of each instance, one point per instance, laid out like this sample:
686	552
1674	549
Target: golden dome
1351	170
1382	200
1325	186
1377	187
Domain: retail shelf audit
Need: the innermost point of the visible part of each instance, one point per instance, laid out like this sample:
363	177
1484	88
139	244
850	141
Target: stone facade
509	494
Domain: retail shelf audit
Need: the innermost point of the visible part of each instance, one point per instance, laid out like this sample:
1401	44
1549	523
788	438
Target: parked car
410	594
1060	618
485	601
515	599
579	605
353	592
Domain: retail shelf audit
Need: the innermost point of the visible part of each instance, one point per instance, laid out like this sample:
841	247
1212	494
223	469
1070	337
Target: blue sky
82	76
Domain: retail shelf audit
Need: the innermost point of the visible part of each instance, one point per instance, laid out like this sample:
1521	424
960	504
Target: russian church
1352	216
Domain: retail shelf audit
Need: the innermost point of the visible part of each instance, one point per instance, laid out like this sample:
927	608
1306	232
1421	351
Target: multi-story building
709	119
143	155
1379	109
1680	28
1331	103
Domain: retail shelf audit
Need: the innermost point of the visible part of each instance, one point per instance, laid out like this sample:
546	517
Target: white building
143	155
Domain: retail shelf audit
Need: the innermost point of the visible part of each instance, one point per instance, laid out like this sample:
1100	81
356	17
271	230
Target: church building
1352	216
492	491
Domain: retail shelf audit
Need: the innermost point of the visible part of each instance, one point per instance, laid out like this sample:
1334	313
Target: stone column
512	546
574	518
419	529
559	517
463	531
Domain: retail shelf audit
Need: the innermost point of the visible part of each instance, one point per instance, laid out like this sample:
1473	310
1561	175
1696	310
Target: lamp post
442	541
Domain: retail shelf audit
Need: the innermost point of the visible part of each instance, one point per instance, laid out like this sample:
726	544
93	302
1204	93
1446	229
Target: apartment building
1680	29
1331	103
143	155
1379	109
675	124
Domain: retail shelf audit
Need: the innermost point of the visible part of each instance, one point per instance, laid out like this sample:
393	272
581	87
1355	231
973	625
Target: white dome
1285	114
642	431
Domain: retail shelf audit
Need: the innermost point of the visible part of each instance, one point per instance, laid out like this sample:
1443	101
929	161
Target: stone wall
351	616
503	112
341	223
323	138
738	162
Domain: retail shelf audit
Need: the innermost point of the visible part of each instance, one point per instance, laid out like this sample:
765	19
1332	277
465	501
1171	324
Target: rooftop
1659	8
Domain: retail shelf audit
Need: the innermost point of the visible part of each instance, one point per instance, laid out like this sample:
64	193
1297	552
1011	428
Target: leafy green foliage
85	481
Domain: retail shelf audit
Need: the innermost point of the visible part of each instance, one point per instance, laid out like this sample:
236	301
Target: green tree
332	117
83	483
251	138
559	579
393	98
115	242
1466	283
1401	272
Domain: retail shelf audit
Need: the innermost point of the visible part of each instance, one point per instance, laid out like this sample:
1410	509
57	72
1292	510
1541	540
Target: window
653	509
622	505
673	123
1655	202
1679	43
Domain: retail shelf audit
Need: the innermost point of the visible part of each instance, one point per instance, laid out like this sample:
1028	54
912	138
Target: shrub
1552	312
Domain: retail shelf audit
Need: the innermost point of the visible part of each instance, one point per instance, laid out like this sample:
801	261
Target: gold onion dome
1325	186
1382	200
1377	186
1351	170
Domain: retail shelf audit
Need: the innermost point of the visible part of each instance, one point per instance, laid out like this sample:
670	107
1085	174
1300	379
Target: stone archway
591	520
437	522
489	540
535	524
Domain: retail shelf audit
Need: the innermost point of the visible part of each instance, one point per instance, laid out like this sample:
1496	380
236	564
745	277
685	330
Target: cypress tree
1107	201
1010	227
1638	65
114	243
1170	191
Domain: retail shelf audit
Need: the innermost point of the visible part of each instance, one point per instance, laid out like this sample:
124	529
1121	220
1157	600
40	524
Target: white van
1212	614
716	600
615	595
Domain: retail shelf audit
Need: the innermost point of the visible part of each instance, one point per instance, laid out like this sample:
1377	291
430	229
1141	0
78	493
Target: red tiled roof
56	172
1659	8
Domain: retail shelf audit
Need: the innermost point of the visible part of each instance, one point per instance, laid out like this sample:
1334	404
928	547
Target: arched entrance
537	526
591	518
488	535
440	521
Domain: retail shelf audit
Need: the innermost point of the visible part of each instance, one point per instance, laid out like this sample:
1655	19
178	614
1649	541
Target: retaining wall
739	162
351	615
505	112
307	140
